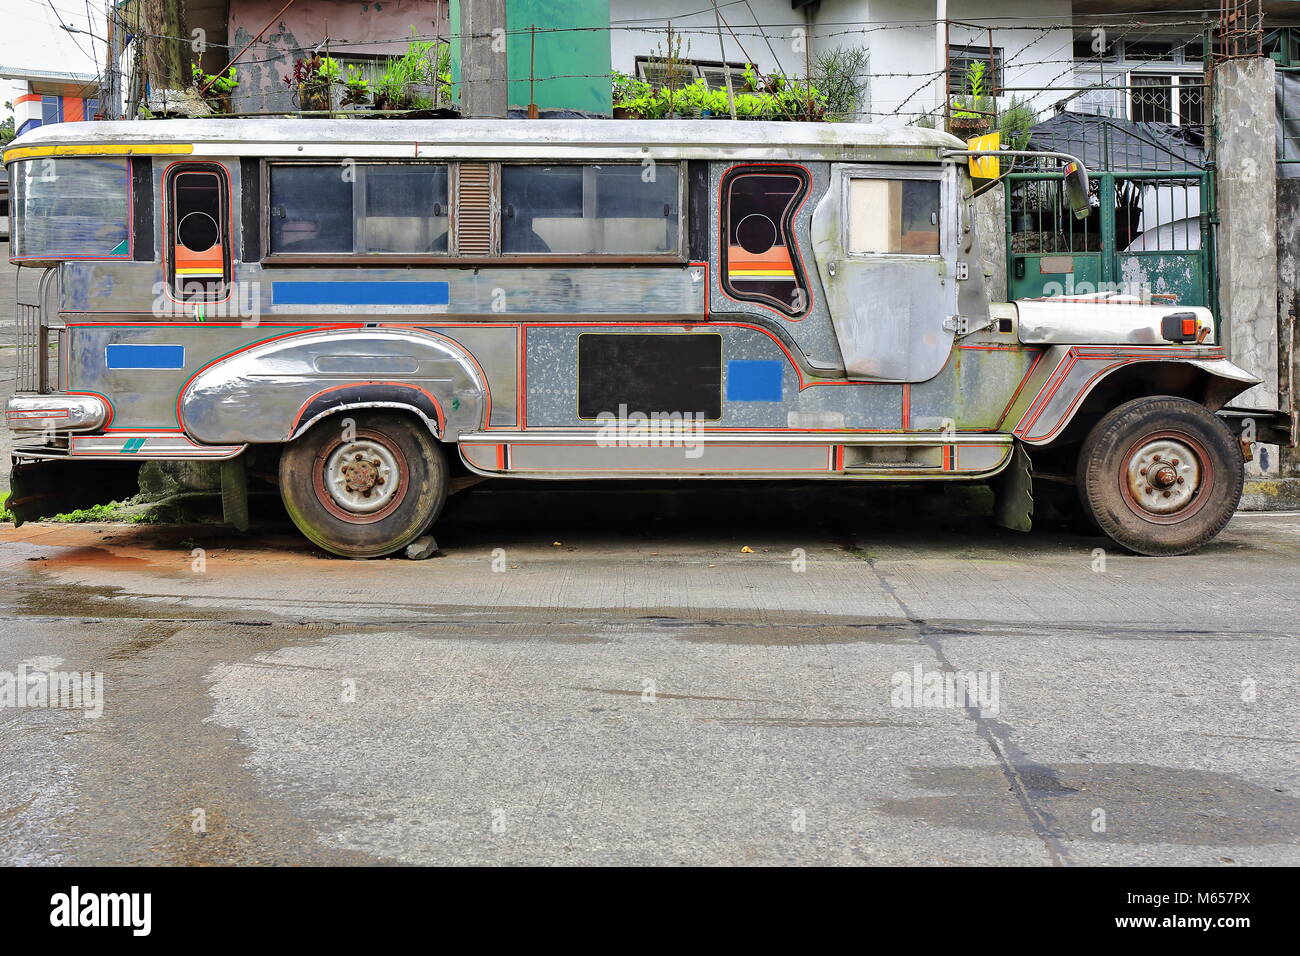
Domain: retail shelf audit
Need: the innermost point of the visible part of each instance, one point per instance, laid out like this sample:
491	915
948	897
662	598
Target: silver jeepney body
891	365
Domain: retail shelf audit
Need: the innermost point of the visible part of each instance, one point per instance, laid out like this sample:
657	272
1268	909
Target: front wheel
1160	475
364	485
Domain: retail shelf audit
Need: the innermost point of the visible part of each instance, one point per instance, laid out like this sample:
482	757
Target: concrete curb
1271	494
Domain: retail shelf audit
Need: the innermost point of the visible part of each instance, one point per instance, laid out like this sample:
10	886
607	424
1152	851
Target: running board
723	454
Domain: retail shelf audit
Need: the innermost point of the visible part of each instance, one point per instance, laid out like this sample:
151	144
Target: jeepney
360	311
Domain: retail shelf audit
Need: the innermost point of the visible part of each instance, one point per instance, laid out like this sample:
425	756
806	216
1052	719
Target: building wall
1036	40
33	109
350	26
641	29
564	66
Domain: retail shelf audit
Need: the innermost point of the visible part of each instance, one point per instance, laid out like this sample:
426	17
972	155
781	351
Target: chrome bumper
64	413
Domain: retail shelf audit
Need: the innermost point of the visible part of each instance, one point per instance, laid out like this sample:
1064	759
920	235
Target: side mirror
1076	190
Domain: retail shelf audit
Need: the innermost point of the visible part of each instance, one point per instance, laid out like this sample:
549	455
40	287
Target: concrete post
991	226
1246	187
483	70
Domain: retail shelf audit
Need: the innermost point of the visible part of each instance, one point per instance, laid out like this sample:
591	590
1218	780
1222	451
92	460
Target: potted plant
310	89
356	88
391	92
972	110
629	95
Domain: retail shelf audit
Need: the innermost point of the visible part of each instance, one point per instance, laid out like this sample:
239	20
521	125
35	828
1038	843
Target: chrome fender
275	391
1067	375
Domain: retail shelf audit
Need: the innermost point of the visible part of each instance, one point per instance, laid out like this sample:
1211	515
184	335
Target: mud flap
1013	493
234	493
41	489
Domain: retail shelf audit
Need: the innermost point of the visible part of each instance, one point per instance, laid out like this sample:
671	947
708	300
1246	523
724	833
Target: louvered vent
474	211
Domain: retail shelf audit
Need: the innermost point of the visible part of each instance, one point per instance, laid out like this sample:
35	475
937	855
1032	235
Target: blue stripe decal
754	380
144	356
360	293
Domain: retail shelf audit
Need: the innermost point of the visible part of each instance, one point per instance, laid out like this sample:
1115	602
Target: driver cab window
899	216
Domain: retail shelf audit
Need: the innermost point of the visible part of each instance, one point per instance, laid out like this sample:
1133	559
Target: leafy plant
975	102
356	88
1015	123
330	70
217	84
841	74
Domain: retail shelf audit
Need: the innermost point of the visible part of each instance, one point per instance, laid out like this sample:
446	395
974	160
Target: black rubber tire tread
422	500
1100	470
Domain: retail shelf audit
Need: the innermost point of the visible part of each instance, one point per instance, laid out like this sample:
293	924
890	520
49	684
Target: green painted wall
571	67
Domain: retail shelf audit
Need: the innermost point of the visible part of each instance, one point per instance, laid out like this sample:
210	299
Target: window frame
264	200
967	53
788	226
947	215
613	257
226	225
452	255
696	67
1175	86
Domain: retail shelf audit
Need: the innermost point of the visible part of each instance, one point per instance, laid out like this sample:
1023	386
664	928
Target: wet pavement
602	677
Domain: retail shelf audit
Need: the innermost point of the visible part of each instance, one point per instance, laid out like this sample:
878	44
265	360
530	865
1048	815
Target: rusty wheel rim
361	480
1166	477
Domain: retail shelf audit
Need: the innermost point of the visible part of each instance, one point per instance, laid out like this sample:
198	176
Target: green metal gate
1149	234
1151	229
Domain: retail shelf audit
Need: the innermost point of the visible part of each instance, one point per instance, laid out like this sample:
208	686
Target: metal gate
1150	232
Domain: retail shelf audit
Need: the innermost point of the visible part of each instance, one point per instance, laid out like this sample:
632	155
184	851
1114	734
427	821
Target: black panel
697	208
250	200
667	372
142	218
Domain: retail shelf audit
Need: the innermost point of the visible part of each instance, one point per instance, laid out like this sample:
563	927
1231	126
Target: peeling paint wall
350	26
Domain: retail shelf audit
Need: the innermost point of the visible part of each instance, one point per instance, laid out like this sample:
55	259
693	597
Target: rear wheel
364	485
1161	476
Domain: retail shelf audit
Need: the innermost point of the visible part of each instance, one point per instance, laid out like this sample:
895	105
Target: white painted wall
1036	40
638	28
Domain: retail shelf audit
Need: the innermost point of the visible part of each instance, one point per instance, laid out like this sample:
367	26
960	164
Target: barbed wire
277	48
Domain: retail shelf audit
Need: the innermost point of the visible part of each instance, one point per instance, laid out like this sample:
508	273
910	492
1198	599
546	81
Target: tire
389	481
1160	475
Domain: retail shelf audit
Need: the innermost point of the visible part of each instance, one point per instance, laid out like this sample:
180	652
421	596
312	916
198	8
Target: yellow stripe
200	272
143	149
760	272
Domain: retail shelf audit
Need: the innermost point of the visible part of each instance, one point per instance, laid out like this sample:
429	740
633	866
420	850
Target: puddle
1144	804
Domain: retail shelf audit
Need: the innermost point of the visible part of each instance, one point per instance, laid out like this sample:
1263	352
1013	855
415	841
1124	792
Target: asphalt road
622	682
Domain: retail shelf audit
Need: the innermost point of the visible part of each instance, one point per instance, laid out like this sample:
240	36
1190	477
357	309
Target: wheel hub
360	476
1163	476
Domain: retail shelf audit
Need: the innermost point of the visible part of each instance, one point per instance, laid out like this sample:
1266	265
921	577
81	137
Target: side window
899	216
358	208
760	256
198	223
620	209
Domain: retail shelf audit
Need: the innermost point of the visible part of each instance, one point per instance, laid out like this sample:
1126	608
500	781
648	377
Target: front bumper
64	413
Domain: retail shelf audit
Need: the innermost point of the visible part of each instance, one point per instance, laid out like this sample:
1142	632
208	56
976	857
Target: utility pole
484	76
112	100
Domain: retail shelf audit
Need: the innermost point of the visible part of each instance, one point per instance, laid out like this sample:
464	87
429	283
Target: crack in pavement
1011	759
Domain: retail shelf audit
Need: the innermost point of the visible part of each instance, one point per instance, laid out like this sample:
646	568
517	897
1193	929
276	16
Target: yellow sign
985	167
